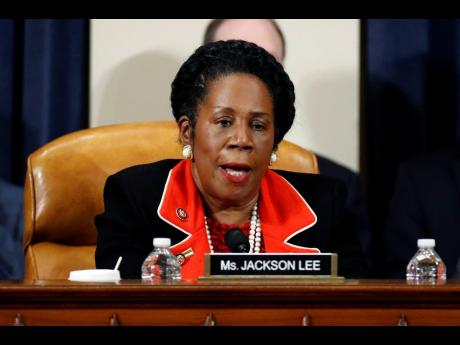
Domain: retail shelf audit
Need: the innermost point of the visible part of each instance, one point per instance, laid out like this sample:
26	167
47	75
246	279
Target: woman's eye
258	126
225	123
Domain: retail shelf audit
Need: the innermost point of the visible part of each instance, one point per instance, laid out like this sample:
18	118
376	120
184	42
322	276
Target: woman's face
233	139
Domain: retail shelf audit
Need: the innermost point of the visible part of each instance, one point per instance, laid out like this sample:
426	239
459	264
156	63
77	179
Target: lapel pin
181	213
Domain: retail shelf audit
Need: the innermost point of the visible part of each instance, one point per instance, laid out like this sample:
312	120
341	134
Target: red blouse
217	232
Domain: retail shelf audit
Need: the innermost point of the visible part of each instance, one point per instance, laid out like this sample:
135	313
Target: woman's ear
185	130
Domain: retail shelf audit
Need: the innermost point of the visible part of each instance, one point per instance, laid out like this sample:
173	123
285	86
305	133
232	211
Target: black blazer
425	204
355	203
130	221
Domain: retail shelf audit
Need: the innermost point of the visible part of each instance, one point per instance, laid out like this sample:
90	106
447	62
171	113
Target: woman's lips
235	173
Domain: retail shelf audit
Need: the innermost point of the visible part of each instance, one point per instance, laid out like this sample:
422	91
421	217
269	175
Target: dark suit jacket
130	221
11	229
355	203
425	204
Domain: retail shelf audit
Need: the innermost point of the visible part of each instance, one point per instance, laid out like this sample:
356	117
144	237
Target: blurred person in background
425	204
11	229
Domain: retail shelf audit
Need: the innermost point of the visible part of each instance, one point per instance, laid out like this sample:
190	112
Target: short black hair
217	59
214	24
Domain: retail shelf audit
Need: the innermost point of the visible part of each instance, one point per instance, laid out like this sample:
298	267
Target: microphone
237	241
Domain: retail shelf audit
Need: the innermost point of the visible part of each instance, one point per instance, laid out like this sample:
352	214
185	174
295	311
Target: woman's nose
241	137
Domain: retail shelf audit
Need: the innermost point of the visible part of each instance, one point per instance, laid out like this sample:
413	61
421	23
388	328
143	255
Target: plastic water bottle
456	275
426	266
161	264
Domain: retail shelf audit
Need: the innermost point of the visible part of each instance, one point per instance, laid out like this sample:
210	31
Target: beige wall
134	61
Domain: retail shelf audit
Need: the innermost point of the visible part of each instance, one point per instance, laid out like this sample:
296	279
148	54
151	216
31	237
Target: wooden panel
244	317
103	317
229	303
383	317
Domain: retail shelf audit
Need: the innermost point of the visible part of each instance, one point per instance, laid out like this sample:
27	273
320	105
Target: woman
233	103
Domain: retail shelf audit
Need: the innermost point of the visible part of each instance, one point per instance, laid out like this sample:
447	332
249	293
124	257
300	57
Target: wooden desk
352	302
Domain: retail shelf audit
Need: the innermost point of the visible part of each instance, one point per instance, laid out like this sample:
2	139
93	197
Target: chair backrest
65	181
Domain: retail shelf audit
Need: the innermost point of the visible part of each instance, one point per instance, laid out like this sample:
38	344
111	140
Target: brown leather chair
65	181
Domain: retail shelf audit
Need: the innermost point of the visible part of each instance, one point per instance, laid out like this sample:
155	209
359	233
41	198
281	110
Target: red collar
283	214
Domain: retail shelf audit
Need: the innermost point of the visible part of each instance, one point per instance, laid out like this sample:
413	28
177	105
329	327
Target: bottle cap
161	242
426	243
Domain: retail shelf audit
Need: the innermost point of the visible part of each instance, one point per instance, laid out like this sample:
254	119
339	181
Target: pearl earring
273	158
187	152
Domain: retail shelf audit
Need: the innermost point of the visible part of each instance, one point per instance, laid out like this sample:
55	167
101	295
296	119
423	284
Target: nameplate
270	264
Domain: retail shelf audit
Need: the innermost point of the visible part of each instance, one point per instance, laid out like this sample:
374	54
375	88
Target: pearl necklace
255	232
